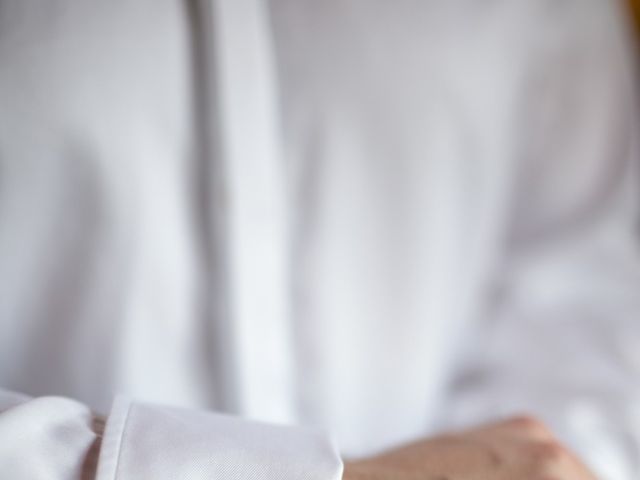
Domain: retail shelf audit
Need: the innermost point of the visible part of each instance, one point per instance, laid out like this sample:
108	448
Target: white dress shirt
375	219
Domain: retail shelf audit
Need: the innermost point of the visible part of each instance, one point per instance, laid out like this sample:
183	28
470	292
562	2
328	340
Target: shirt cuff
164	443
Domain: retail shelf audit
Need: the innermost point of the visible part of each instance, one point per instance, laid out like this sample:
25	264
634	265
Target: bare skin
521	448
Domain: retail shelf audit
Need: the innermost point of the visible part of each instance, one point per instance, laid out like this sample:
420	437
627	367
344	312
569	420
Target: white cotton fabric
380	219
58	438
146	441
46	438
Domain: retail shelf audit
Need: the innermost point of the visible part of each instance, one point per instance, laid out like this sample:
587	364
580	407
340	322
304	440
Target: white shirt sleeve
58	438
561	338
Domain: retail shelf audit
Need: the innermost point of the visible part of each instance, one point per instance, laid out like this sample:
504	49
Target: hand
521	448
